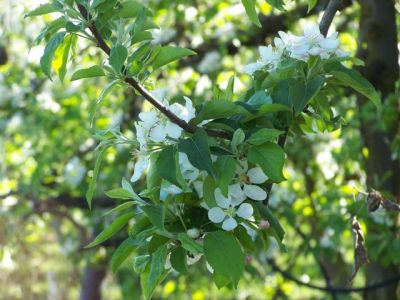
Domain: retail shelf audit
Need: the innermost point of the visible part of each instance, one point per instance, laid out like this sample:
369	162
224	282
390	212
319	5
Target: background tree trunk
91	281
378	48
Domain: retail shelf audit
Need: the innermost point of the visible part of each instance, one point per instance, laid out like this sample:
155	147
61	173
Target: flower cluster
287	45
154	130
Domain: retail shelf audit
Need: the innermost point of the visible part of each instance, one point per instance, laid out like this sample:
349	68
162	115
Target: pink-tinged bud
248	259
264	224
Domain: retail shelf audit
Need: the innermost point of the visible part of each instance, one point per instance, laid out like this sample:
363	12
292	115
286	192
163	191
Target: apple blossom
226	211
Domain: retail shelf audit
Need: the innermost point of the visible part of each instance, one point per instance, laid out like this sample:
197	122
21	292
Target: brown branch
329	14
138	87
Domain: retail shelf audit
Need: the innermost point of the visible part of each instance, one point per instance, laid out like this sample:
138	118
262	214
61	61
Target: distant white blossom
74	171
287	45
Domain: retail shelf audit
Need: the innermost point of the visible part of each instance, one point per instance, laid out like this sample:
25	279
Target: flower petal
254	192
229	224
173	130
158	133
191	111
245	211
252	68
220	199
149	118
256	175
140	166
237	194
216	215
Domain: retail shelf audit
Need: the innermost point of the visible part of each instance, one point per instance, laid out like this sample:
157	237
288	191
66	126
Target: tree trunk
378	48
91	281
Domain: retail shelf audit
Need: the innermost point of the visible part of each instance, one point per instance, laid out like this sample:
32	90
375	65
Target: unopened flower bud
248	260
194	233
264	224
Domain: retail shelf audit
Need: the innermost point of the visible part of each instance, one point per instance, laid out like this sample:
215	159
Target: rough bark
378	48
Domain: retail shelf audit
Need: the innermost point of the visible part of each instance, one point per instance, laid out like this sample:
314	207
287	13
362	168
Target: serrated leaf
49	52
169	54
156	215
93	71
224	254
264	135
112	229
117	57
123	251
198	151
92	184
189	244
250	7
270	157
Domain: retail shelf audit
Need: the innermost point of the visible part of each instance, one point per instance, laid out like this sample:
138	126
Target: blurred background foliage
47	155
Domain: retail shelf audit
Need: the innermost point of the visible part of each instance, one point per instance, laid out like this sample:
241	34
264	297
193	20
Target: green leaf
301	93
42	10
49	52
119	193
93	71
178	260
198	151
277	4
117	57
355	80
264	135
267	214
169	54
127	187
270	157
244	238
112	229
123	251
208	192
229	89
250	7
167	166
120	207
311	4
189	244
61	56
217	109
92	184
238	139
104	93
225	167
156	242
224	254
140	263
156	274
156	215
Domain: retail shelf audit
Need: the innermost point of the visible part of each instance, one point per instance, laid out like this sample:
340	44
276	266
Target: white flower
226	211
140	167
249	180
269	59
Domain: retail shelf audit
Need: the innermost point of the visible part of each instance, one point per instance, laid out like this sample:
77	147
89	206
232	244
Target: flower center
231	211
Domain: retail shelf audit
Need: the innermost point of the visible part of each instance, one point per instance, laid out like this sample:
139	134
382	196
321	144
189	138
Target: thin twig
139	88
